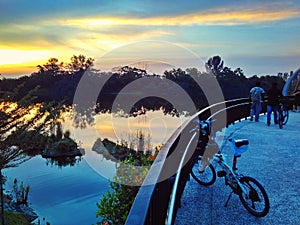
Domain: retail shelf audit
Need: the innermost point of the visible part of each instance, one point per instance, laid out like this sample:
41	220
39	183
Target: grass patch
13	218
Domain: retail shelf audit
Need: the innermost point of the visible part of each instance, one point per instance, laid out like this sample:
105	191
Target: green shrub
116	204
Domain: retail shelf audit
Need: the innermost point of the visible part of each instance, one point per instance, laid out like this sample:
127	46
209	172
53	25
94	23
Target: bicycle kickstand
228	199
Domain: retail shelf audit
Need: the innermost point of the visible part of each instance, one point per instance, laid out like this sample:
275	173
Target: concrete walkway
273	158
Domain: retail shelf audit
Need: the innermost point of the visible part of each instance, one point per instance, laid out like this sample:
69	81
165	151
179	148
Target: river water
68	195
64	196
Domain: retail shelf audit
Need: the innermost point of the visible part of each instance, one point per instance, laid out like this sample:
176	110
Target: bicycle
283	115
251	193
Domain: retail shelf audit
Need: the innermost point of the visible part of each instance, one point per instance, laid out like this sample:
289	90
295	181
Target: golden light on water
8	107
154	124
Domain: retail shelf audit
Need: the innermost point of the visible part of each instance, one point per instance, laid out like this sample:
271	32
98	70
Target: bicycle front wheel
206	177
255	200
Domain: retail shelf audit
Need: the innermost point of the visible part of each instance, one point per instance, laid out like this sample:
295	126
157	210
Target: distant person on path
273	95
297	100
256	95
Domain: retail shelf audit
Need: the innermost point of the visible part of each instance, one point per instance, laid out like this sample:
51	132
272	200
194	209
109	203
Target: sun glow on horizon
23	62
17	62
13	56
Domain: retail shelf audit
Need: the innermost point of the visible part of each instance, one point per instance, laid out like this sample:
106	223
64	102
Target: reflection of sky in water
159	126
155	123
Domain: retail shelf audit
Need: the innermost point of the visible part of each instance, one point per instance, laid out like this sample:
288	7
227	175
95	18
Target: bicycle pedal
221	173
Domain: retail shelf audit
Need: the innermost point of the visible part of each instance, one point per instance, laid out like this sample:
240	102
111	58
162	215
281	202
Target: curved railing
289	82
159	197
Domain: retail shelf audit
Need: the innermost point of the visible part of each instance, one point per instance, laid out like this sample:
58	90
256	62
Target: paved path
273	158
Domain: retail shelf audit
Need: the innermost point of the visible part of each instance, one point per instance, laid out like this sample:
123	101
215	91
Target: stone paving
273	158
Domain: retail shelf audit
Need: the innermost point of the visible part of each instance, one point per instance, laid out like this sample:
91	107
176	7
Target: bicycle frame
219	158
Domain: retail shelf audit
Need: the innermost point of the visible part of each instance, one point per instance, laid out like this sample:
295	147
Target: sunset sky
261	37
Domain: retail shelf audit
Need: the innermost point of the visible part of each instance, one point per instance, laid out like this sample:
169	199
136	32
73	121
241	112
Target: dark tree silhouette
239	72
79	63
214	65
52	66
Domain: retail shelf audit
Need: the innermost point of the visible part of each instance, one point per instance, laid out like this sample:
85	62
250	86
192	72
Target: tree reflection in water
63	161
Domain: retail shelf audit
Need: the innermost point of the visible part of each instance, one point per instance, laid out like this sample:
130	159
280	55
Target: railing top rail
227	108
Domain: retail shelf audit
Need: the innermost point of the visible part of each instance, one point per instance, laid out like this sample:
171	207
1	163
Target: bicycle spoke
255	200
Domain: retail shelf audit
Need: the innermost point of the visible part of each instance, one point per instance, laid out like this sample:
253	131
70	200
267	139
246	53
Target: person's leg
252	110
257	111
269	112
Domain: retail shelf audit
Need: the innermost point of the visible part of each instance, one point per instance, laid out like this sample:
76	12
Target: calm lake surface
68	195
64	196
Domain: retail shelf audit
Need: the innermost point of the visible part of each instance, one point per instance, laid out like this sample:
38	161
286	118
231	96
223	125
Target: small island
65	147
61	145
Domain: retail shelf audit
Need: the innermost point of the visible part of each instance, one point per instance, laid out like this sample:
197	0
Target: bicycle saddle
240	142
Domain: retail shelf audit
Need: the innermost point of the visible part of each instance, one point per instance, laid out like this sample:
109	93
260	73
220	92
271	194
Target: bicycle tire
285	114
280	119
256	201
205	178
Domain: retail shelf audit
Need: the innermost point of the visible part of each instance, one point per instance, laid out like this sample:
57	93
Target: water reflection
61	186
63	161
116	128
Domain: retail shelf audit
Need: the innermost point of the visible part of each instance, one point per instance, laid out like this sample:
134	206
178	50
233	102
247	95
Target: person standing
256	96
273	95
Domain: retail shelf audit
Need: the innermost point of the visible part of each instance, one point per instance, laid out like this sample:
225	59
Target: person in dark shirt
273	95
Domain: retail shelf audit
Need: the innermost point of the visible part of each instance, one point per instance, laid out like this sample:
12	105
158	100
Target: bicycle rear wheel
280	119
206	177
285	115
256	200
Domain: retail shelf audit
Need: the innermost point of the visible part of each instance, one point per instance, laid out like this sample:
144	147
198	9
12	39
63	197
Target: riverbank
27	211
18	213
13	218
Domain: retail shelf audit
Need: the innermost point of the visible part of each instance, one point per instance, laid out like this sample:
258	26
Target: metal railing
171	208
159	197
